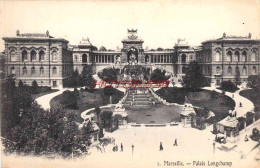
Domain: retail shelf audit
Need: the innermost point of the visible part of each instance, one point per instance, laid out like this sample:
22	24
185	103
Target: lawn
213	101
87	100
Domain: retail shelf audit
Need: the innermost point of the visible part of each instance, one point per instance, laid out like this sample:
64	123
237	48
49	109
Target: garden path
247	105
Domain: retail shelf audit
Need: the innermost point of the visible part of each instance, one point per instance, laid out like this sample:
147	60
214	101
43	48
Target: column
151	58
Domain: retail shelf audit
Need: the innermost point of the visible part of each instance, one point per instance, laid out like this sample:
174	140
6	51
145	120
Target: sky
159	23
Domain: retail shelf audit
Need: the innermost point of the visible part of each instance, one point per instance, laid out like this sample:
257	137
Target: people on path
175	143
122	147
133	149
115	148
246	139
214	147
161	147
240	104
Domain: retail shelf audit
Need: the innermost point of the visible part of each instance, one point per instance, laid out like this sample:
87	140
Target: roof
33	36
229	122
225	38
188	110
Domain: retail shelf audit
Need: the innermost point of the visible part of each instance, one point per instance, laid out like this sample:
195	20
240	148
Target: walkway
247	105
45	100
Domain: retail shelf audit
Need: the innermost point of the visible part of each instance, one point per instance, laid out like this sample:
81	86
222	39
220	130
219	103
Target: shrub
69	99
228	86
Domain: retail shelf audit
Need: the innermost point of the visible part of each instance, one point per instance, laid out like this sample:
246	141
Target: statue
47	33
250	35
17	33
224	35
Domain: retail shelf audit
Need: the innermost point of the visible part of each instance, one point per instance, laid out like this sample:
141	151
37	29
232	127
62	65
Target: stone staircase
139	98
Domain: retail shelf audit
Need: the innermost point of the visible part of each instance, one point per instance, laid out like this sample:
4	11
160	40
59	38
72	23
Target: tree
108	74
228	86
35	87
237	77
86	78
193	78
20	84
106	118
159	74
97	111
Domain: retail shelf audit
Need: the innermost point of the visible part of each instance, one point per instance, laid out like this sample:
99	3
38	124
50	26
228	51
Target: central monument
132	52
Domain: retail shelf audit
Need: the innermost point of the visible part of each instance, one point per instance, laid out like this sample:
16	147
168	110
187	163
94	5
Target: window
229	71
54	55
244	71
237	59
12	55
33	71
183	58
33	55
229	56
254	70
54	71
24	71
218	70
24	55
217	56
253	56
13	71
41	55
244	56
41	71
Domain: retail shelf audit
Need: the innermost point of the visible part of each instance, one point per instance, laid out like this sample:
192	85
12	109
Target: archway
132	55
84	58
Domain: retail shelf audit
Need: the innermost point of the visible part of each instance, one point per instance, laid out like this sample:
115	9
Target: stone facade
48	60
39	57
221	57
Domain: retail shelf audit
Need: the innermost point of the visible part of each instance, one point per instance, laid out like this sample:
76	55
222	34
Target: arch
229	70
217	70
229	56
33	55
33	70
54	71
217	56
24	55
24	71
12	55
254	70
84	58
54	55
253	56
41	55
237	56
244	56
13	70
244	71
183	58
132	54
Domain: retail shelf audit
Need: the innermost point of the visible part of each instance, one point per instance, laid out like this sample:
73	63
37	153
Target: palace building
39	57
49	60
221	58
